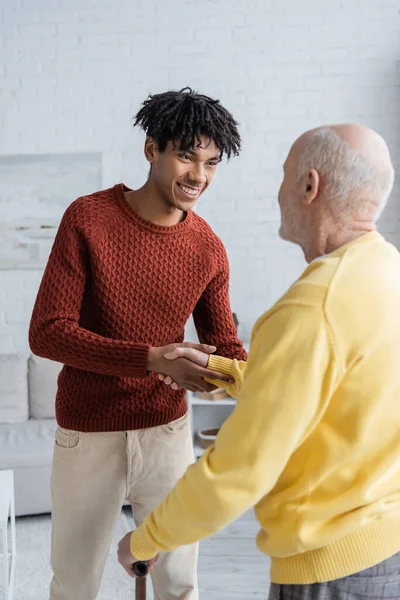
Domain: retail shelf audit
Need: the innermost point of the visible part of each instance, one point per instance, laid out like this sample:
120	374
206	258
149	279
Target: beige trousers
93	473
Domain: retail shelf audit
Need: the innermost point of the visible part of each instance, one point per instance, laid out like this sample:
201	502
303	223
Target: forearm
277	408
232	476
211	494
64	341
214	320
54	331
228	345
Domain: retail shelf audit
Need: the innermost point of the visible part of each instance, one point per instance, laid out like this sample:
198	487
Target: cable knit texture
115	285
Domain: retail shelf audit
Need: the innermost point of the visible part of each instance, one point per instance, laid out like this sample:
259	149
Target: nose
197	174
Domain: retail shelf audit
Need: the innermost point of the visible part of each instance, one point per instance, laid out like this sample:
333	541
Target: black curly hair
184	116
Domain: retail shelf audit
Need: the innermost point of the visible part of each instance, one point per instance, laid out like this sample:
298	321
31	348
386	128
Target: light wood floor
231	567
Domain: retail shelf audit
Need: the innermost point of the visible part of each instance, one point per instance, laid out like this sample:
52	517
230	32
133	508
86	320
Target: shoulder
314	284
207	241
91	212
306	297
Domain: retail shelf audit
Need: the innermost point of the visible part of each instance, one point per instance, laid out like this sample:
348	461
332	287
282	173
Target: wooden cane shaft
140	589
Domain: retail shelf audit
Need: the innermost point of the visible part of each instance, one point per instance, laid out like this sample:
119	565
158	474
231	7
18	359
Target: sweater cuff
220	364
140	545
138	359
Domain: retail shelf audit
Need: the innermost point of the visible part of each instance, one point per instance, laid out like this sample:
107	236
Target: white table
7	511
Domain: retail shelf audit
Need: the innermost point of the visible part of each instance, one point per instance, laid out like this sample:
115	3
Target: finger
152	562
175	386
195	356
189	353
198	388
208	374
174	354
205	387
221	377
130	571
207	348
192	387
201	347
161	376
208	387
168	380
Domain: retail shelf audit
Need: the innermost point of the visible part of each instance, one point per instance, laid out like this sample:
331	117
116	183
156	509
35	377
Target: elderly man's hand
126	559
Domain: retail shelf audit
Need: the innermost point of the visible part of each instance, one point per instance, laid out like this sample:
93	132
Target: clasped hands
185	366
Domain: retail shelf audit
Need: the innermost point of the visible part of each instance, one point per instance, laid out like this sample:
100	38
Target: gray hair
351	181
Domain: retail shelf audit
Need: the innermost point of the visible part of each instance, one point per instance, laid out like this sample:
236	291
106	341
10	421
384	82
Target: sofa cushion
42	378
13	388
27	444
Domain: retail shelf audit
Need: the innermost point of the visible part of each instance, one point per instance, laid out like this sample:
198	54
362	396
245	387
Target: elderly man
314	440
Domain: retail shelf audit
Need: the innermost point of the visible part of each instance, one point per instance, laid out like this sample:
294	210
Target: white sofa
27	424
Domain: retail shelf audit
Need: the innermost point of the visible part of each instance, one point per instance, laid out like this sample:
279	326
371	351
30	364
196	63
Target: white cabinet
206	414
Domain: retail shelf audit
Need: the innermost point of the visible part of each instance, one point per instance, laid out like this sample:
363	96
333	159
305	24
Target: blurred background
74	72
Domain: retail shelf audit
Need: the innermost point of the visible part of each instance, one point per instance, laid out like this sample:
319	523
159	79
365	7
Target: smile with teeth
189	191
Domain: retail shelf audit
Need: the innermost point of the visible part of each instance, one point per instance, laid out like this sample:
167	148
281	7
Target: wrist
152	359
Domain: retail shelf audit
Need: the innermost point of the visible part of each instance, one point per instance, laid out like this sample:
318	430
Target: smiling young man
127	270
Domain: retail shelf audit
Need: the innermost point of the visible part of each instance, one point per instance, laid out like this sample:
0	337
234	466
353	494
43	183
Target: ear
150	150
312	186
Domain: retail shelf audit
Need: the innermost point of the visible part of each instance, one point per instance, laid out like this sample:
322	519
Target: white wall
74	71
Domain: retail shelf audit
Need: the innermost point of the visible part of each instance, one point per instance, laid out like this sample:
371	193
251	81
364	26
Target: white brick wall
74	71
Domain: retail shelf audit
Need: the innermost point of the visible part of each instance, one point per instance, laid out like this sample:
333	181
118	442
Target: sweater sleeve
291	376
213	316
55	332
235	368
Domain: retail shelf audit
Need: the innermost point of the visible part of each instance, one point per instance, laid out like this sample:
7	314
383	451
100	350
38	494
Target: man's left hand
126	559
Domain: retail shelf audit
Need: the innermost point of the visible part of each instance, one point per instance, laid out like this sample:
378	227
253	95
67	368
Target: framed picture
35	191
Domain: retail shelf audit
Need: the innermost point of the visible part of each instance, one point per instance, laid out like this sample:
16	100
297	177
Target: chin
283	234
184	205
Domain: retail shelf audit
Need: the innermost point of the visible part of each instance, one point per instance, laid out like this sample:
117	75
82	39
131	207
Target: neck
149	204
325	242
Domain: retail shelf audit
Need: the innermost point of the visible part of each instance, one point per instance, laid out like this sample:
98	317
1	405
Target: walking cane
140	568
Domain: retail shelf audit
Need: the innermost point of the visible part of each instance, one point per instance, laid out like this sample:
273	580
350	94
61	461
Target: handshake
185	366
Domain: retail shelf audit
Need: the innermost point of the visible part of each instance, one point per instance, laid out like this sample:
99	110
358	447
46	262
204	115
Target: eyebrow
193	153
188	151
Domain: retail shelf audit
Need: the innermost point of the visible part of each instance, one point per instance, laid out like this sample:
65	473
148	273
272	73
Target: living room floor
230	566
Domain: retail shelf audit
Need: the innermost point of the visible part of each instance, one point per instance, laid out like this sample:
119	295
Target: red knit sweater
115	285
